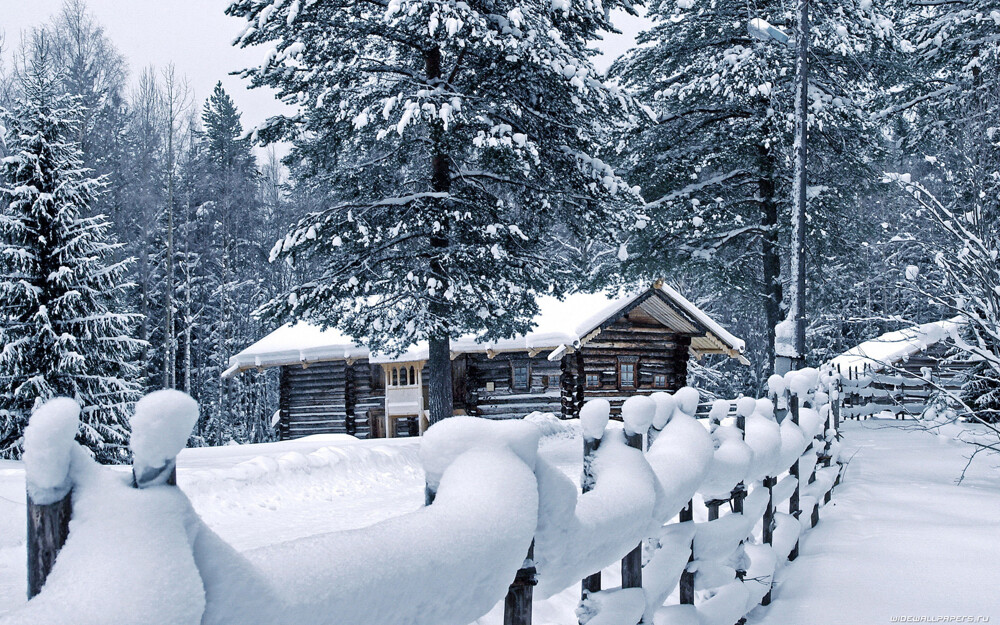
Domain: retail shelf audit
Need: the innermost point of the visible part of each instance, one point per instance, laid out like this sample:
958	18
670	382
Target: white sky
195	35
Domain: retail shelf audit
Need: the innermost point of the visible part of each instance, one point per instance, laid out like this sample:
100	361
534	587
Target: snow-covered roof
560	325
896	346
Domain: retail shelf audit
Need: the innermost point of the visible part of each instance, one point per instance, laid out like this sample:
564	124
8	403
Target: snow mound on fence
49	441
580	534
681	457
551	425
162	422
434	562
127	560
446	440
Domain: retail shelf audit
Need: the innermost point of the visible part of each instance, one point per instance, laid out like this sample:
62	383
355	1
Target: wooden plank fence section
904	393
48	525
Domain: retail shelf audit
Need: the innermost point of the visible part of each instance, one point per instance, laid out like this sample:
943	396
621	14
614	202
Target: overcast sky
195	35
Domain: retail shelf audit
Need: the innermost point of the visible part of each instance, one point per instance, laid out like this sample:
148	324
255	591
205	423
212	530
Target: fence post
632	563
768	523
637	412
48	528
793	501
156	439
686	587
594	421
49	443
740	492
517	603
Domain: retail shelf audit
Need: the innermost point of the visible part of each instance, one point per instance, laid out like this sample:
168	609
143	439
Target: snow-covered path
901	540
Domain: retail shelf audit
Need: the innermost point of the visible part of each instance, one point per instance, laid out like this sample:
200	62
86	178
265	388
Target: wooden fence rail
48	523
868	392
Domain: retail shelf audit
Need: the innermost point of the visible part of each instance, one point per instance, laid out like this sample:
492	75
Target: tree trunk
797	303
772	254
441	398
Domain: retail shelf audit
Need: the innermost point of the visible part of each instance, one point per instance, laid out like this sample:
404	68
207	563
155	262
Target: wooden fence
903	393
771	504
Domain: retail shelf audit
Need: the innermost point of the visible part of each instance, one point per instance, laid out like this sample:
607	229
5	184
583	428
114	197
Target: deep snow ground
902	539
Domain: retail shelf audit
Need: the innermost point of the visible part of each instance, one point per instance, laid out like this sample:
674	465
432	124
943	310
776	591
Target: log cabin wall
313	399
536	387
319	398
634	348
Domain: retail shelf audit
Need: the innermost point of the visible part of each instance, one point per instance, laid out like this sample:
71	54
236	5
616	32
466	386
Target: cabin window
627	373
395	377
413	376
521	376
660	380
593	380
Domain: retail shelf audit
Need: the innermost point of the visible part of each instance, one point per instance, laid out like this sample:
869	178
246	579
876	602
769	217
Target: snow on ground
901	538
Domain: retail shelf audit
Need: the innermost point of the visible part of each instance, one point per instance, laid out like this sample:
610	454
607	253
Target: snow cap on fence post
445	441
665	406
161	425
746	406
687	400
719	411
49	440
594	417
798	384
637	412
765	407
776	384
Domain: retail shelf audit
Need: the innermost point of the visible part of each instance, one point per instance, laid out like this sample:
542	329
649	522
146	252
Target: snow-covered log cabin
584	346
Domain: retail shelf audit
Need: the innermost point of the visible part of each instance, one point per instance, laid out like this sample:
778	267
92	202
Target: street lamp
762	30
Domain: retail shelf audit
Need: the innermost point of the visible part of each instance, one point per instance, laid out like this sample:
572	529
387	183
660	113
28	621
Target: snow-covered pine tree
456	145
716	164
232	239
61	330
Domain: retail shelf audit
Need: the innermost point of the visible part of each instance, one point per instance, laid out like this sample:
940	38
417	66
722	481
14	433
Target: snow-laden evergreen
716	162
456	150
62	328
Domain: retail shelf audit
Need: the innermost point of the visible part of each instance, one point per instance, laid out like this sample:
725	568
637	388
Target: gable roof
896	346
561	326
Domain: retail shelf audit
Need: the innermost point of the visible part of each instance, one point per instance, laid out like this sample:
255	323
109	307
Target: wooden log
48	528
517	604
686	584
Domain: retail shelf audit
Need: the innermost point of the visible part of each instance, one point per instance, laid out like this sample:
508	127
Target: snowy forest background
171	214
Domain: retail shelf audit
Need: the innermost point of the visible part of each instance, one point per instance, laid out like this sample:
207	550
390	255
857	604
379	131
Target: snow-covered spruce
716	155
64	332
465	138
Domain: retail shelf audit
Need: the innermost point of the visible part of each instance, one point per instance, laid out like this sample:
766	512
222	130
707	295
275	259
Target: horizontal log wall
504	401
316	401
